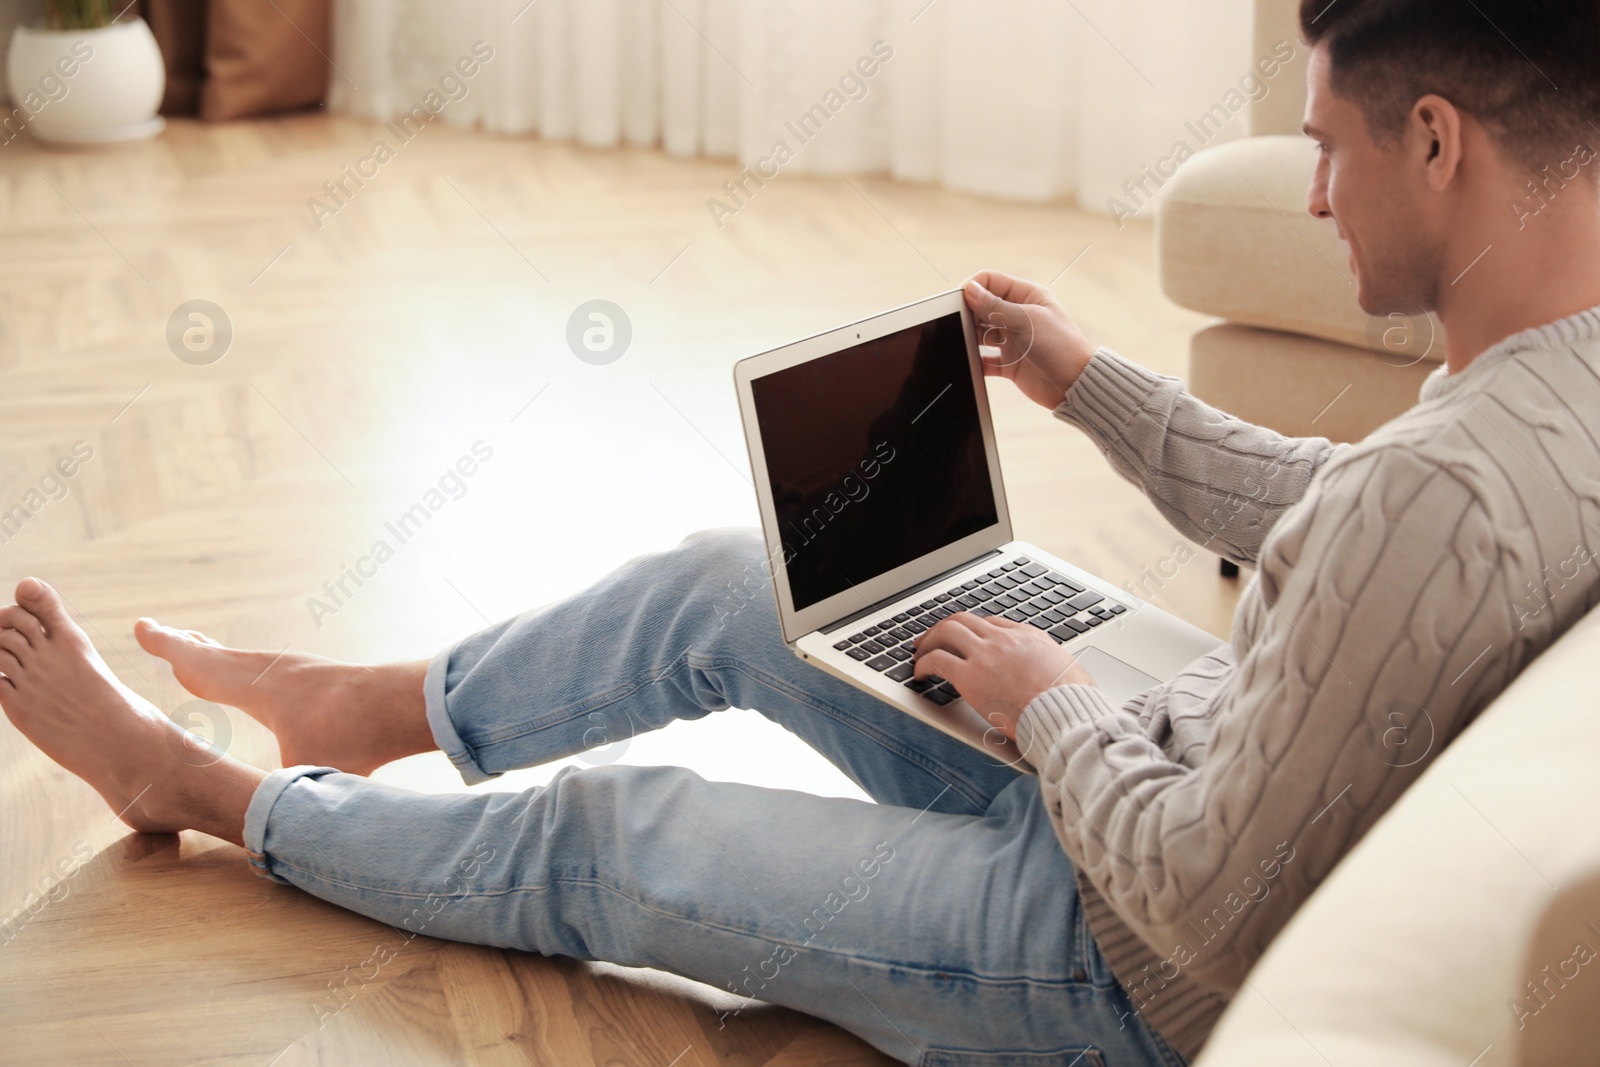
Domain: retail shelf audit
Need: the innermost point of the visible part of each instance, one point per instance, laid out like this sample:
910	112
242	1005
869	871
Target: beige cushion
1411	950
1299	385
1236	241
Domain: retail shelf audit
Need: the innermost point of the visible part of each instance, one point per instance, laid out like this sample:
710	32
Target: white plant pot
85	86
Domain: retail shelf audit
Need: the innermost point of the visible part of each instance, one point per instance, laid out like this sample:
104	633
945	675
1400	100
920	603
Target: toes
24	622
166	642
158	640
14	648
44	604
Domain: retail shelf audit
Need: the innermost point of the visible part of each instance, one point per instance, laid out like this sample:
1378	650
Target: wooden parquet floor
428	315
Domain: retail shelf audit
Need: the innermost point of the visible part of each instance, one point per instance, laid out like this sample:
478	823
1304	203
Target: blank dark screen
875	456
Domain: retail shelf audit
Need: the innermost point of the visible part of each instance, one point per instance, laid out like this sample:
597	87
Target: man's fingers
967	619
980	299
999	287
954	635
997	318
1025	631
941	663
1006	330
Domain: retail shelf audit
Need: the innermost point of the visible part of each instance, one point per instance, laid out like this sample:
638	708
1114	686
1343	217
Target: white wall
1171	61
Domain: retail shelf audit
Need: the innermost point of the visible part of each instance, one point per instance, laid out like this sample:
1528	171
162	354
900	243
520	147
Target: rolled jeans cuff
260	810
444	731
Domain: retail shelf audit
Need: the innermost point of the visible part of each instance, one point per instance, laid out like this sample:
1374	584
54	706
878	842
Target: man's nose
1317	195
1317	201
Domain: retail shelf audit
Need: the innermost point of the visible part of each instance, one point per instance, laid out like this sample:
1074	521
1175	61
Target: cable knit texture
1402	583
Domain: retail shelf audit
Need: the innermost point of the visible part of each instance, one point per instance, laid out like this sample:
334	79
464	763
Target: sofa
1464	929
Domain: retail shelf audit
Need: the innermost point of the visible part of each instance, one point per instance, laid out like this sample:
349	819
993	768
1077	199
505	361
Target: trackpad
1119	680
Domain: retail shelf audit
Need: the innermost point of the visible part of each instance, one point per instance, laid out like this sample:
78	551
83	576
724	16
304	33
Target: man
1117	901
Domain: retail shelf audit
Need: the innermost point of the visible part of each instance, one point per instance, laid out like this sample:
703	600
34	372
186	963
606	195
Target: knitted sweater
1402	583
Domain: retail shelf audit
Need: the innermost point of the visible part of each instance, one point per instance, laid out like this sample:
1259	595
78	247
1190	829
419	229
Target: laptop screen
875	457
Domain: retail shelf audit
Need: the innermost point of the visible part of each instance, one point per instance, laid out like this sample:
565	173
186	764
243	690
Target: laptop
884	511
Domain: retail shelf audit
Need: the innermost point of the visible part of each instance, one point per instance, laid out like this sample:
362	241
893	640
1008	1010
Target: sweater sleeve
1379	620
1220	481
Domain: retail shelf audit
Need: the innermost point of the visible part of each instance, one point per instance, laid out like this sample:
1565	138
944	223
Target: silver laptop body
884	510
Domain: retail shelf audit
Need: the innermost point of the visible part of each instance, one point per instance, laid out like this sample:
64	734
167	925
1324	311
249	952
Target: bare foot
59	692
322	712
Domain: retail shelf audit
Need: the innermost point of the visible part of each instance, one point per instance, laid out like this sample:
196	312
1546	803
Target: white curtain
1023	99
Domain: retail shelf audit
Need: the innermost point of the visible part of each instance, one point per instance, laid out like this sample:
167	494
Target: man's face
1364	186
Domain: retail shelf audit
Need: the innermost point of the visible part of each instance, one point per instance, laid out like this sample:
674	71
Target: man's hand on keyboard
996	664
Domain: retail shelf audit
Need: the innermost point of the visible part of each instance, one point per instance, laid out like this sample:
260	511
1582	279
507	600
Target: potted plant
84	76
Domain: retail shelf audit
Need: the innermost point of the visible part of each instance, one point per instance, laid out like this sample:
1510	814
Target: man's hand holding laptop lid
1026	336
886	527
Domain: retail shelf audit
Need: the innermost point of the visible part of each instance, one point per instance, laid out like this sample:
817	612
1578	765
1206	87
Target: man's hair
1529	70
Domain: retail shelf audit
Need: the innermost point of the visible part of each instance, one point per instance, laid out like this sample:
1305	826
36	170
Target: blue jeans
941	924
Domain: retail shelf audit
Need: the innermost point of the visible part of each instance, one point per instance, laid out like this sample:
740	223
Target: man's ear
1433	138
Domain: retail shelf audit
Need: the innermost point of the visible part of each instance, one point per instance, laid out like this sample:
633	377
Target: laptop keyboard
1021	590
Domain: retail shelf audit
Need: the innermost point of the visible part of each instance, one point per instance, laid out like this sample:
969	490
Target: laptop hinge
886	601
